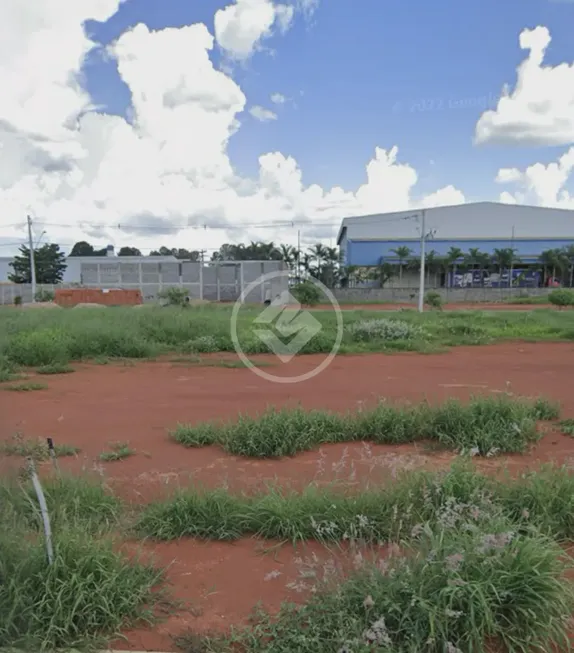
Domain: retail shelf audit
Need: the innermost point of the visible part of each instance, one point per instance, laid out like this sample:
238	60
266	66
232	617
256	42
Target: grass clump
89	592
567	426
119	451
72	502
384	329
26	386
55	368
483	426
36	448
542	500
457	591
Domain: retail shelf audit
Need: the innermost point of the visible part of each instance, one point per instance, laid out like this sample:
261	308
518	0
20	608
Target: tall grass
543	500
472	590
30	339
73	502
86	595
485	425
90	590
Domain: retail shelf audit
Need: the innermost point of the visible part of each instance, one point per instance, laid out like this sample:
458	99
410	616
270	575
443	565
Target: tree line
318	261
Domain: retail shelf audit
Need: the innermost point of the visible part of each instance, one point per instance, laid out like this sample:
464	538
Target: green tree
179	253
255	251
505	258
569	255
83	248
383	273
553	259
402	253
289	255
453	256
432	265
50	264
129	251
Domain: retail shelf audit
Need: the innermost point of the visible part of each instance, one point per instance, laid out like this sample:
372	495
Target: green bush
203	345
89	592
18	300
434	300
383	329
561	297
468	590
44	296
175	296
307	293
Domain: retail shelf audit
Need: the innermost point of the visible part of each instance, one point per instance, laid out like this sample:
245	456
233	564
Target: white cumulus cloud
277	98
540	109
241	26
541	184
164	174
262	114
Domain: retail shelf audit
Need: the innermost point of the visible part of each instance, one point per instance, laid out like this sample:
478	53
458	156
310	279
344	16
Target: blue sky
371	73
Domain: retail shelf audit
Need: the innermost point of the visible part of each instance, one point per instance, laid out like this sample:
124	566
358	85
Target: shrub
472	589
38	348
175	296
484	426
89	592
383	329
561	297
307	293
44	295
434	300
18	300
203	345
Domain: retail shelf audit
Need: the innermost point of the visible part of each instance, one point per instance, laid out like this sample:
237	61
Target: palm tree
382	273
552	259
453	255
317	253
288	254
402	253
432	265
569	254
505	258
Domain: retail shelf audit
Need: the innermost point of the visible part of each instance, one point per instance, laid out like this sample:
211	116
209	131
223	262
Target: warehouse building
370	240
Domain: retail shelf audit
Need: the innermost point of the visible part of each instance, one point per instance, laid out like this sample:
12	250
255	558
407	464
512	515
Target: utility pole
423	253
32	258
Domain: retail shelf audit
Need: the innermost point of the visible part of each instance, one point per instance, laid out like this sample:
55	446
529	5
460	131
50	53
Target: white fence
218	281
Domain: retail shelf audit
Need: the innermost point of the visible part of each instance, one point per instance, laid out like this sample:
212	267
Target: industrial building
369	240
530	230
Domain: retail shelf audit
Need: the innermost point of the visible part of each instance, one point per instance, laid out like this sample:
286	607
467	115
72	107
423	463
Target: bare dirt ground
220	583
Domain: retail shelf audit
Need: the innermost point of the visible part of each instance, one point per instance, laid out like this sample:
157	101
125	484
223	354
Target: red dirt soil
221	583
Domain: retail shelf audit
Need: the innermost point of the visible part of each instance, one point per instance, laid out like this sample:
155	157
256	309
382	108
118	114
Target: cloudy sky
191	123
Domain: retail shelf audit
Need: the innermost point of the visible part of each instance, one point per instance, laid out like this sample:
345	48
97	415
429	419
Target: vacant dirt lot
220	583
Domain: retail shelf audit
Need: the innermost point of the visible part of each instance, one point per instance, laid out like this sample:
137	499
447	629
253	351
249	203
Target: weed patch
86	595
119	451
73	502
455	592
33	340
484	426
36	448
541	500
27	386
55	368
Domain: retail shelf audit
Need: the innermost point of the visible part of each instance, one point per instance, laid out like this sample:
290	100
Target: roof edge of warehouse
414	211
